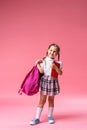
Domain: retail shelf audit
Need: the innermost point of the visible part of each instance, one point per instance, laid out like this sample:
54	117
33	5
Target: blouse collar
49	59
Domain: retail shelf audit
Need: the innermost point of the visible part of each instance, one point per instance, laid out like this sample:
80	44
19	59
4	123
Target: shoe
34	121
51	120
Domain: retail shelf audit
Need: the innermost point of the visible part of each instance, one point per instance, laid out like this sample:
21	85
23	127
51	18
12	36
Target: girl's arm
41	70
39	61
58	70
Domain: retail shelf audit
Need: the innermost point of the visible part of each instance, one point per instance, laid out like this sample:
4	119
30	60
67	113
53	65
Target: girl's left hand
58	70
52	65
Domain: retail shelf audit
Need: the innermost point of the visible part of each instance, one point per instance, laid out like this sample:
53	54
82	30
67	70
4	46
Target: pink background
27	27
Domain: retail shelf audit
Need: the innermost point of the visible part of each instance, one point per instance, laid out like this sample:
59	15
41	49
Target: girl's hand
58	70
53	66
38	65
38	61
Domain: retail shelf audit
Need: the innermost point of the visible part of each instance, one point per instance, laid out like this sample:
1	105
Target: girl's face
52	52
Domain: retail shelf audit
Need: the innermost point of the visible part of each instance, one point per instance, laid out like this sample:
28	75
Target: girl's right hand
38	61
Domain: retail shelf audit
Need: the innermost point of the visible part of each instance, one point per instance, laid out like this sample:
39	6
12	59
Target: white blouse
46	64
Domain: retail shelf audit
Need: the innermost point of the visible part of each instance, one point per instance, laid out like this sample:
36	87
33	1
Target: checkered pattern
49	85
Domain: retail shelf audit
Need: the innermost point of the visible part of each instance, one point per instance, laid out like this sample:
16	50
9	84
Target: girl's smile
52	52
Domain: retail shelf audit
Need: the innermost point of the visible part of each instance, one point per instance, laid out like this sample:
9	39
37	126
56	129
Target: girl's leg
39	109
50	109
51	101
51	106
40	105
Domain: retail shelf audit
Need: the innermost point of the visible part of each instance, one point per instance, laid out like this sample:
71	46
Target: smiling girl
49	85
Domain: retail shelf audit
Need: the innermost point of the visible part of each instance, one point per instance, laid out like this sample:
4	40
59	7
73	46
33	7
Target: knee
51	99
43	100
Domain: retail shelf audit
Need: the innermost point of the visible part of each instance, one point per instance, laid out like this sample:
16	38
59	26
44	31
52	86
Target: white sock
38	112
50	111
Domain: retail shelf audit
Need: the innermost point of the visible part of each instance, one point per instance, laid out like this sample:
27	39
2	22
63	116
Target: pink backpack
30	85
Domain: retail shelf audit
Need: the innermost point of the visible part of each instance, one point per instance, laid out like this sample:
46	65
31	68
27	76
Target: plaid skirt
49	85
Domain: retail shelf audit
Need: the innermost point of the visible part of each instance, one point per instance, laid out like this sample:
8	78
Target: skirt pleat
49	85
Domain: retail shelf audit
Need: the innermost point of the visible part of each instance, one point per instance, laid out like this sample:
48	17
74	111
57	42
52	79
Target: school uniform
49	85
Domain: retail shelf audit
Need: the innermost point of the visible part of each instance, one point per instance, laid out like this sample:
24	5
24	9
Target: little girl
49	86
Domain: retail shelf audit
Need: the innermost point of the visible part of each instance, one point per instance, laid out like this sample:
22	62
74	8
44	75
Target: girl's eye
50	50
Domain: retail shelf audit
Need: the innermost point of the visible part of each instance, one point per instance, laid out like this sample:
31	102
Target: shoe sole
51	122
31	123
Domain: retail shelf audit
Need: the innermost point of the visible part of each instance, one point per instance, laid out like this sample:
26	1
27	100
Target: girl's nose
52	53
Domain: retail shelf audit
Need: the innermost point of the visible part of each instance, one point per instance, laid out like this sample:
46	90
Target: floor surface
70	113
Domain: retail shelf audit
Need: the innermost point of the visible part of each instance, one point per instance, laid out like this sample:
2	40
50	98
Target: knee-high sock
38	112
50	111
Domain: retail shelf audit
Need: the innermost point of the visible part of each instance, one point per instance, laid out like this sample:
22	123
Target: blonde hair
57	47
